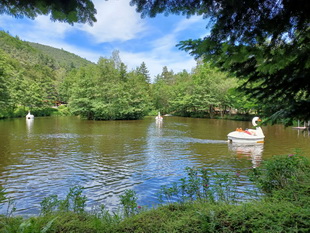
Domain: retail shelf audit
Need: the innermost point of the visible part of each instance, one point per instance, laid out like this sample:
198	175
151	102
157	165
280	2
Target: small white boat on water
29	116
302	127
248	135
159	118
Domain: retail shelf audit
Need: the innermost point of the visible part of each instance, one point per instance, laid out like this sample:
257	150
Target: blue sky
118	27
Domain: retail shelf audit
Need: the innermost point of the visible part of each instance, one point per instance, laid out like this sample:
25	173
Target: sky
118	27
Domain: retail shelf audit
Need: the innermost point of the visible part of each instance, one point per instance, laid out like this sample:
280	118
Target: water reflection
159	123
302	132
29	123
251	151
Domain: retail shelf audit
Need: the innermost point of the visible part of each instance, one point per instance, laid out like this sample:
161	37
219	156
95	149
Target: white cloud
116	20
44	27
41	30
119	27
164	44
174	60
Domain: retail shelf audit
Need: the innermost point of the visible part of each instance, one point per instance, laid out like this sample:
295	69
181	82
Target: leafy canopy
69	11
264	42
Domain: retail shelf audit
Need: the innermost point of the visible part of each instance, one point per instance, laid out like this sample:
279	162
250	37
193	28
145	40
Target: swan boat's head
254	120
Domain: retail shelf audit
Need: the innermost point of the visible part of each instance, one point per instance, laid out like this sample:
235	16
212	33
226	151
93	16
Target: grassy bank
200	202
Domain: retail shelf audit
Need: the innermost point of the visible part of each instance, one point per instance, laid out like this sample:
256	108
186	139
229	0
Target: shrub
287	176
62	110
200	184
74	202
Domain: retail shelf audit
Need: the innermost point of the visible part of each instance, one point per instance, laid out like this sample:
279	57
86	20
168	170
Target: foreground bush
205	203
284	177
262	216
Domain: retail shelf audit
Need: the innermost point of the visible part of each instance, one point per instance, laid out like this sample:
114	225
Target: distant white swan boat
159	118
247	136
29	116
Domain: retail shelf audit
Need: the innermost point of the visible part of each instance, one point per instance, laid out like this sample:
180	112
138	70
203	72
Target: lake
51	154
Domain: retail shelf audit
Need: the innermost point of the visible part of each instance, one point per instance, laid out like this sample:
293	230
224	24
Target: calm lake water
49	155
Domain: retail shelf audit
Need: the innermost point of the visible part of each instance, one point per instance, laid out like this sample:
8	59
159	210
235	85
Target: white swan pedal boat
159	118
29	116
249	135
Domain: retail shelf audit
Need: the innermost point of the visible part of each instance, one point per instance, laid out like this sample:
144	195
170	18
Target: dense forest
37	77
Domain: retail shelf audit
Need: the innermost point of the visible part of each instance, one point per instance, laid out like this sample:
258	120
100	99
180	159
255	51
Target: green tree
242	103
167	76
162	90
82	92
181	101
100	92
142	69
69	11
201	92
5	72
161	95
264	42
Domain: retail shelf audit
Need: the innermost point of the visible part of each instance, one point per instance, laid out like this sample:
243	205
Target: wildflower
139	207
206	185
290	155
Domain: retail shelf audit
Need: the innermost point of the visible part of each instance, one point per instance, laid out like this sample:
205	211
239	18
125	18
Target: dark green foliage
282	175
70	11
263	42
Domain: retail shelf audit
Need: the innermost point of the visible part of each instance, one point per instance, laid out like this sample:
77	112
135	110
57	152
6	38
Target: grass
199	202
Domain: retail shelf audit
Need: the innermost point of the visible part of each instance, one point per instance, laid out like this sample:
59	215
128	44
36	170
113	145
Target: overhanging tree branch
69	11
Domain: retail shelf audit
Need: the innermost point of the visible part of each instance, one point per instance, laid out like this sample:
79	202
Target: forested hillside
34	53
36	77
18	49
29	77
60	56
